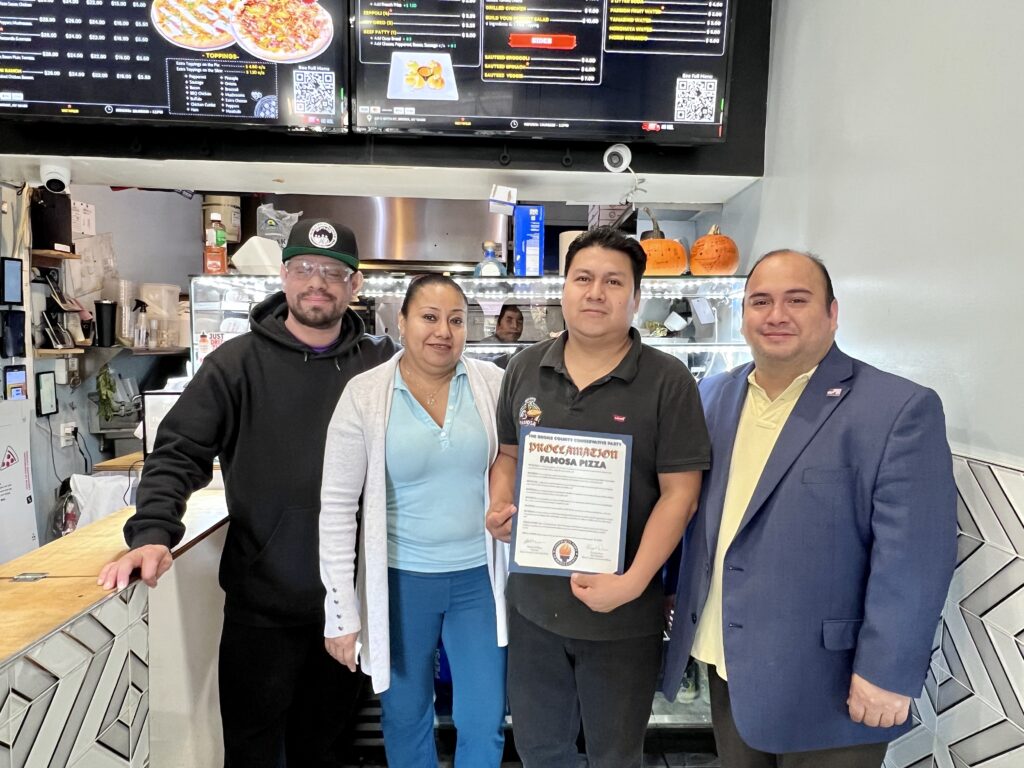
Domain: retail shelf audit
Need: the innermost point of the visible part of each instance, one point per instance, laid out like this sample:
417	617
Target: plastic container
230	209
489	265
184	324
220	233
162	306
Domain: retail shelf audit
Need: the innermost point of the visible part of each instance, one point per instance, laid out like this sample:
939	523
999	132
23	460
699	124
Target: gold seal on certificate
572	493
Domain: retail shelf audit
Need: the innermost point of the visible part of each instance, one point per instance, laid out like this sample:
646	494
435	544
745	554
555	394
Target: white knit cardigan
354	466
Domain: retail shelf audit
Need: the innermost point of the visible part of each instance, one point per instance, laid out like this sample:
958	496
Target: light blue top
435	482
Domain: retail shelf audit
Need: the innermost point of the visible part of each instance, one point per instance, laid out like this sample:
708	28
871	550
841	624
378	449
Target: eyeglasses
330	273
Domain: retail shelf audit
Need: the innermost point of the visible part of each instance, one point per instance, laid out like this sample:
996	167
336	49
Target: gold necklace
429	396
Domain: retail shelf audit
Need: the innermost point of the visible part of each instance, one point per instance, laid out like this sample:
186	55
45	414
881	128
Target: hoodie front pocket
285	575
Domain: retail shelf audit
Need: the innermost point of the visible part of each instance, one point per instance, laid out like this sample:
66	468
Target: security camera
56	175
617	158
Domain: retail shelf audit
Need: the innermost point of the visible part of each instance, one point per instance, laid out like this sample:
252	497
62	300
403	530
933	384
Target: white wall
895	150
158	236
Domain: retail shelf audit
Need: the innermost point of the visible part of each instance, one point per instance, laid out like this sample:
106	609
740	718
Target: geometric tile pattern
80	697
972	710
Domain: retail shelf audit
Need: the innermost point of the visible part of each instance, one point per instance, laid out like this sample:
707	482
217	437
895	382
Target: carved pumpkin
664	257
714	254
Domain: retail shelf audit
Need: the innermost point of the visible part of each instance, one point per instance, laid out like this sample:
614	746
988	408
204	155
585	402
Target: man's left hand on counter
152	560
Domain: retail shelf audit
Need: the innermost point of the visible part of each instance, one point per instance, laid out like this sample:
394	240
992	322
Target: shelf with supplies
48	353
49	258
44	253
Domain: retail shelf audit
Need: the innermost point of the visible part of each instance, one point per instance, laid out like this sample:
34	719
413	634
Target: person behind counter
415	438
509	328
261	403
812	577
589	647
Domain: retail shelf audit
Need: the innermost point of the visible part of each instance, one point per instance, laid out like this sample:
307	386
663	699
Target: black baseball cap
319	237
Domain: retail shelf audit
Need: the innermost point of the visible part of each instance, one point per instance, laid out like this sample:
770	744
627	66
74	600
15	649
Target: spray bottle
141	326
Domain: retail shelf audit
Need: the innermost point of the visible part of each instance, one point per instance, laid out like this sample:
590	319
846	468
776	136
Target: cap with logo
318	237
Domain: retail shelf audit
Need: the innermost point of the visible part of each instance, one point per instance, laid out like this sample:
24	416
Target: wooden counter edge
79	557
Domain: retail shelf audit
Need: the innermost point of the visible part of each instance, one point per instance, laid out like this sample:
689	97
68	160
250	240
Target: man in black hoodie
261	404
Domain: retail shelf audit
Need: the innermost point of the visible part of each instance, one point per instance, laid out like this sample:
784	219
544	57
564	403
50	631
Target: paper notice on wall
83	218
18	533
97	260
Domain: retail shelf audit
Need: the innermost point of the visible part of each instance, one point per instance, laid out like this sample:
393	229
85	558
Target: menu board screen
630	69
244	62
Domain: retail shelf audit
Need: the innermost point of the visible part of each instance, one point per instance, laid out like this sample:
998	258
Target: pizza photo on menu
282	30
199	25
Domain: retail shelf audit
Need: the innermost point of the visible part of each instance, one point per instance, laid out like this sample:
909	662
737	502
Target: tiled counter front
80	697
972	712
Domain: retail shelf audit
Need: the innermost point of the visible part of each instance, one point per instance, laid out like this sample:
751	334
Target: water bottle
489	265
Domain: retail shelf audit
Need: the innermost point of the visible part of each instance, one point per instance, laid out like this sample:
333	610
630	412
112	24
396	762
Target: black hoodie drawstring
337	365
305	357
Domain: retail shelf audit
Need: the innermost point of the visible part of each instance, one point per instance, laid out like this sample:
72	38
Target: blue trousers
458	608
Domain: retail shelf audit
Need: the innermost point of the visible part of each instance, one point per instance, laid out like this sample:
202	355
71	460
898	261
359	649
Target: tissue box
258	256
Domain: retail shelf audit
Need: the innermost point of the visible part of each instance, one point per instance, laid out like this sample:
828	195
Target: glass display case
694	318
220	306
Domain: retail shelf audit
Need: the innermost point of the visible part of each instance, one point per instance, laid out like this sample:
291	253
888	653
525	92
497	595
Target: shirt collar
626	370
795	386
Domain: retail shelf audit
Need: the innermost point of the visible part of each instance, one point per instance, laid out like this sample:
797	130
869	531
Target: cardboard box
528	222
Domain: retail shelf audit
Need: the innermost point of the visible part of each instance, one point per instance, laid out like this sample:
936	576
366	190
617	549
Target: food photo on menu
276	31
286	31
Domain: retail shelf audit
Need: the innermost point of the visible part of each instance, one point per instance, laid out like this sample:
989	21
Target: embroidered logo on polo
619	419
530	413
323	235
565	552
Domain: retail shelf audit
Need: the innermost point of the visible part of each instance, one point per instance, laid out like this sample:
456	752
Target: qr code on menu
314	93
695	99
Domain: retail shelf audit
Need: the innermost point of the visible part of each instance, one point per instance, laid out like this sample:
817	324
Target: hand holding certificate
572	491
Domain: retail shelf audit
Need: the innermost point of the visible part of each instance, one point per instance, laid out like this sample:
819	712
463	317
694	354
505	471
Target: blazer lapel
823	393
726	419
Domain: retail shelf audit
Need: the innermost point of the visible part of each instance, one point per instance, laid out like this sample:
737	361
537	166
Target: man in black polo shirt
590	647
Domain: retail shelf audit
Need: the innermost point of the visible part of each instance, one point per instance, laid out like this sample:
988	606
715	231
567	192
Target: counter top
120	463
31	610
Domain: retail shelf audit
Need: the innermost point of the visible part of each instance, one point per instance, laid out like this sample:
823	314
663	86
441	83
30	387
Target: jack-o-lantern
664	257
714	254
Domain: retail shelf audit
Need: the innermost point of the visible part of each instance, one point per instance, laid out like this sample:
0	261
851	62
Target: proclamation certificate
572	495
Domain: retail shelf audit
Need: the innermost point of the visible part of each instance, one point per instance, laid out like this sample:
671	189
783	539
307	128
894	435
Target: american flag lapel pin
834	392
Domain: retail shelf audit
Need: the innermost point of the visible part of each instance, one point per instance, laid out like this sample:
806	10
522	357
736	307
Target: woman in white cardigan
415	438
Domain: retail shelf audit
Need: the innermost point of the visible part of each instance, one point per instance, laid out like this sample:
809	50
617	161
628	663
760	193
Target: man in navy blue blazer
814	573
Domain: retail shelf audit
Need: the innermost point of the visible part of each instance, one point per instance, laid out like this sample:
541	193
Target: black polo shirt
651	396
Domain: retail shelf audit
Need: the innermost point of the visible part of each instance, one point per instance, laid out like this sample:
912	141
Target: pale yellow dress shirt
761	421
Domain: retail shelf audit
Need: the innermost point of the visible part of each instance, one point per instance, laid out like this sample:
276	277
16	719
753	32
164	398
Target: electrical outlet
67	434
74	372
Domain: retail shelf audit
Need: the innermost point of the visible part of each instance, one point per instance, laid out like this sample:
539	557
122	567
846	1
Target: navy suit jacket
842	560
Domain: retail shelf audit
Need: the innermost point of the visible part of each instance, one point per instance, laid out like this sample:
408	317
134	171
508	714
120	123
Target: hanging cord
81	444
636	190
49	428
124	496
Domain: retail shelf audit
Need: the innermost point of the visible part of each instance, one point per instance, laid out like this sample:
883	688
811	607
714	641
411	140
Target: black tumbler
106	323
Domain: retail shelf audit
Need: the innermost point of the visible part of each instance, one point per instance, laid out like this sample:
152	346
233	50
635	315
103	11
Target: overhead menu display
236	62
602	69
